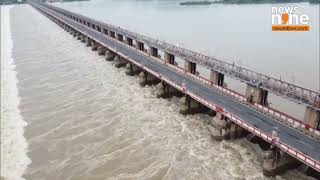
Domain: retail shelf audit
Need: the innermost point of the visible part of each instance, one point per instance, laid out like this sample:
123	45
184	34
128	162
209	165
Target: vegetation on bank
3	2
73	0
51	1
206	2
197	3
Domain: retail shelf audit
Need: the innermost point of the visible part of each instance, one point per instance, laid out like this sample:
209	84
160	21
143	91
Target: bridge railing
276	86
293	121
277	114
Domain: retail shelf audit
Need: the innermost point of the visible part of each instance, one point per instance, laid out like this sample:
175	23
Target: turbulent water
13	144
88	120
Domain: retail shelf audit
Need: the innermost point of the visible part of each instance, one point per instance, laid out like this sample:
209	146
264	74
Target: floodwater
88	120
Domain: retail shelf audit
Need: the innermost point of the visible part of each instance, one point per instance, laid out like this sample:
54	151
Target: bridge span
234	113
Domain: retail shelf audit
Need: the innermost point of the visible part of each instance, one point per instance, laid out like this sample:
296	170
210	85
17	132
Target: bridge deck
288	135
279	87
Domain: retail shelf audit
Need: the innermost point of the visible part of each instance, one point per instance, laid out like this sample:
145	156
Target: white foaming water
14	159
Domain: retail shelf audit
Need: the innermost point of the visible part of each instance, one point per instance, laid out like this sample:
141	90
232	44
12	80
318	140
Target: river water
88	120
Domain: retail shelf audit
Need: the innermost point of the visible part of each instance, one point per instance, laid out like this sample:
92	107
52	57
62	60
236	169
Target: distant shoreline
188	3
205	2
73	0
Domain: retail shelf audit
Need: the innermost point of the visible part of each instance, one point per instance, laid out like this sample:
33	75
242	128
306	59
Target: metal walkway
292	141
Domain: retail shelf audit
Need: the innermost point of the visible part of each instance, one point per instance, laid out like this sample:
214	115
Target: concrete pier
235	131
94	46
119	62
112	34
120	37
105	31
255	94
88	41
159	89
190	67
98	28
190	106
312	117
147	79
276	162
169	91
109	55
83	38
101	50
153	51
140	46
132	69
78	36
129	41
169	58
221	128
216	77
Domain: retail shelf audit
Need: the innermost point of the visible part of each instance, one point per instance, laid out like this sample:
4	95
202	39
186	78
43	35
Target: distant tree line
3	2
268	1
73	0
